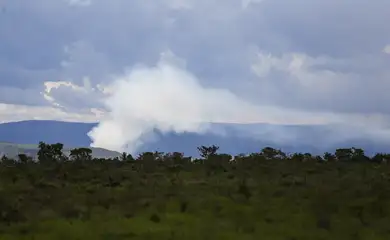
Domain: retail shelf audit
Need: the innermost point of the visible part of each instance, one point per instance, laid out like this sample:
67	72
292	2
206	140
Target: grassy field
265	199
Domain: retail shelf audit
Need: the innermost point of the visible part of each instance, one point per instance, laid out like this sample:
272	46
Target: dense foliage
267	195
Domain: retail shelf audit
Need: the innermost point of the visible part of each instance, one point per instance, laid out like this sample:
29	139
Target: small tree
271	153
359	155
81	154
344	154
23	158
150	156
299	157
175	158
50	152
329	157
206	152
380	158
126	157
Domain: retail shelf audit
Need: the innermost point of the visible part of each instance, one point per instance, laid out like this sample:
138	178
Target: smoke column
167	98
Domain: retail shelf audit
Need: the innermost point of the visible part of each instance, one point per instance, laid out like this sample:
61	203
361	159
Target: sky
179	64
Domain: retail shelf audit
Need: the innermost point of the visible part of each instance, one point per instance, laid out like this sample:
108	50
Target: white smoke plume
168	98
165	97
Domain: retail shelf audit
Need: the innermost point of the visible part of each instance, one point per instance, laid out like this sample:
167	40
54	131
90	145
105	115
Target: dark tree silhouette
49	153
206	152
81	154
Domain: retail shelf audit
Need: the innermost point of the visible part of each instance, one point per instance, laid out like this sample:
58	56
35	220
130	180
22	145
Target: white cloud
49	86
74	98
76	90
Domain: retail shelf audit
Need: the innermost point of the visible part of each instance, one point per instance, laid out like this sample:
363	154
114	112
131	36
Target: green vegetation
266	195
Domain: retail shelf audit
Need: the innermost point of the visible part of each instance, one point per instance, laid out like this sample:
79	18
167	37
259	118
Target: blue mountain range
236	138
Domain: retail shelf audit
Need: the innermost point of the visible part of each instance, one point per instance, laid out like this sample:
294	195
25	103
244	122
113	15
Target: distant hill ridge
13	149
25	135
71	134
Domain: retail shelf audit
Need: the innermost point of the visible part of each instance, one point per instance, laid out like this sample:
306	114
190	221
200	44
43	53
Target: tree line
50	153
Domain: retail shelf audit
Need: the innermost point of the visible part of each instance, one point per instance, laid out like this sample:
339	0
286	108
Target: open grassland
256	199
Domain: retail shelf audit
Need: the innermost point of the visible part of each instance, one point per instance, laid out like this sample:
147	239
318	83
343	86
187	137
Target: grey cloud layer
344	68
324	84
